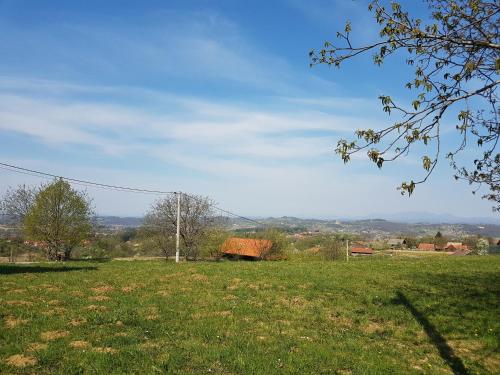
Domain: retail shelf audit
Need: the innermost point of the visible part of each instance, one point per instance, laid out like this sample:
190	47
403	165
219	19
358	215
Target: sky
207	97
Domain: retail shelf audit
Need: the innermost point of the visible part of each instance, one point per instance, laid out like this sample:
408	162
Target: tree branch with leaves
456	56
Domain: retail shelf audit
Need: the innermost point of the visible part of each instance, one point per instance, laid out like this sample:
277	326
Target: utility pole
347	250
178	235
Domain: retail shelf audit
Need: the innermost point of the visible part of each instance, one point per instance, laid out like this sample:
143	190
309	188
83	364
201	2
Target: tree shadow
7	269
445	351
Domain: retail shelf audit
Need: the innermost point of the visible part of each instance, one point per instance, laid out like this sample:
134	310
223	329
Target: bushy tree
17	202
482	246
61	218
455	53
197	217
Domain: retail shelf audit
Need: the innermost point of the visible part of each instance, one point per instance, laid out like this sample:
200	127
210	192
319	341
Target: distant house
427	247
246	247
396	243
361	251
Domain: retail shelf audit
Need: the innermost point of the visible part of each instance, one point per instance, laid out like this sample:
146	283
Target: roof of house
361	250
250	247
453	244
427	246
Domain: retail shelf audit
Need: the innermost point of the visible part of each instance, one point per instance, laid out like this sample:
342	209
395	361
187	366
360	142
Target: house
361	251
427	247
247	247
396	243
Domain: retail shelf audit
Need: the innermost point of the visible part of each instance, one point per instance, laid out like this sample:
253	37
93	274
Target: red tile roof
361	250
246	246
427	246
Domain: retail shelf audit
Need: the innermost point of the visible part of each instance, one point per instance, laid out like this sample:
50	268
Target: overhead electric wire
35	173
90	183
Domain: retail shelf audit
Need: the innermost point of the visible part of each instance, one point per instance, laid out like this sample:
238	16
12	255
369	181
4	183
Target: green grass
399	315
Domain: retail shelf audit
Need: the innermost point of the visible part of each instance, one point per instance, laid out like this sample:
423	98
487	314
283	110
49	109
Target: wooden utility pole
178	235
347	250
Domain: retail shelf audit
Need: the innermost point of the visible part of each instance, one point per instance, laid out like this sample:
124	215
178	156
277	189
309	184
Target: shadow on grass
15	269
445	351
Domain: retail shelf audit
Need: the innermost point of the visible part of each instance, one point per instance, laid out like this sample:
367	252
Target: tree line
58	218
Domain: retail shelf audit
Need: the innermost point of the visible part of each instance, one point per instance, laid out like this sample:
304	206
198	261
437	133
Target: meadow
385	315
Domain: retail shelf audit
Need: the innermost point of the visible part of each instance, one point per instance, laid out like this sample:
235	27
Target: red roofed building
248	247
427	247
361	251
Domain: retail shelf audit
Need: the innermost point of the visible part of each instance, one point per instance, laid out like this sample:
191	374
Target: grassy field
435	315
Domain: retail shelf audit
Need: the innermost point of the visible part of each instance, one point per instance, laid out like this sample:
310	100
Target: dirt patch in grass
107	350
96	308
21	361
37	347
103	289
99	298
54	302
80	344
77	293
164	293
12	321
131	287
198	277
55	311
16	291
212	314
372	327
19	303
77	322
152	317
121	334
53	335
172	275
229	297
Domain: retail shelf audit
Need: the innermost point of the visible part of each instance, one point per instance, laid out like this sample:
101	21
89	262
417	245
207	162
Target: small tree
482	246
196	218
61	217
17	203
440	241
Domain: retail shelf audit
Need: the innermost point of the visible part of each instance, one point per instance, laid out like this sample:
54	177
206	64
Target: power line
32	172
84	182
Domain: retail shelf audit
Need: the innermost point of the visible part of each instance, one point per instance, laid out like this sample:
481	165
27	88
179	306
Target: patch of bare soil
19	303
53	335
99	298
130	288
96	308
21	361
107	350
12	321
79	344
77	322
198	277
103	289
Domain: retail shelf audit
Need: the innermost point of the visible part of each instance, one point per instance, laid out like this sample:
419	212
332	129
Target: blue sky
209	97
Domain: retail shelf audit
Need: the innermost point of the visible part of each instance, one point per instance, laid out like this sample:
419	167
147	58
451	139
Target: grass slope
435	315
